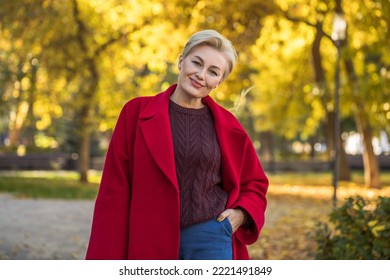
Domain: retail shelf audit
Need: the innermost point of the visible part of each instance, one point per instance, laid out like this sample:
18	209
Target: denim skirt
210	240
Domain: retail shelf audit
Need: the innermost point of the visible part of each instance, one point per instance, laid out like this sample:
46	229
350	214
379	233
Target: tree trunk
86	124
84	155
85	129
267	149
370	161
17	115
30	120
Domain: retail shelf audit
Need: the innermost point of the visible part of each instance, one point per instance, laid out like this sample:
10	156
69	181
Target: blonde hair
213	39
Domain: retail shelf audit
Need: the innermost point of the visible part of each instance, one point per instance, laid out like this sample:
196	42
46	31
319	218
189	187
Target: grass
49	184
321	179
65	184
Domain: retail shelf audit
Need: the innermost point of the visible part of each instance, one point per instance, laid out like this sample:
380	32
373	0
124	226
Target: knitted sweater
198	164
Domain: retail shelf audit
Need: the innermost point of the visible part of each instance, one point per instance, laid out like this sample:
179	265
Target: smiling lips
196	84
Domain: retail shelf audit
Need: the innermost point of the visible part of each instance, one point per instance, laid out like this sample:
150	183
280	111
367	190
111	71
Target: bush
359	230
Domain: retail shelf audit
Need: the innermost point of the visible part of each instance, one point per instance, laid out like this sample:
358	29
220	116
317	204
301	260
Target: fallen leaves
292	215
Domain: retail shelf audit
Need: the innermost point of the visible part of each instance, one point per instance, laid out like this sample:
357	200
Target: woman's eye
196	62
214	73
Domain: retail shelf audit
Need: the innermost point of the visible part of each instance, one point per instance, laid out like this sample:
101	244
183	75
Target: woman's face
200	72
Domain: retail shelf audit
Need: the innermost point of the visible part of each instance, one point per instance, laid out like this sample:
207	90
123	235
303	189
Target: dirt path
56	229
43	229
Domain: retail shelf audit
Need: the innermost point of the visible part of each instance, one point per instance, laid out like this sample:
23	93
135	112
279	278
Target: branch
302	20
82	32
118	37
81	29
111	41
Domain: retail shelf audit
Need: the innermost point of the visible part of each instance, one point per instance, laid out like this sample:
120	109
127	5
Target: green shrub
358	230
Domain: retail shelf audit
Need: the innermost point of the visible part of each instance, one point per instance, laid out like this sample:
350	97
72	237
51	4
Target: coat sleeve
252	195
110	224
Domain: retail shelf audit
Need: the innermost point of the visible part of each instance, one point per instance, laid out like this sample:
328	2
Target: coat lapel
232	140
156	129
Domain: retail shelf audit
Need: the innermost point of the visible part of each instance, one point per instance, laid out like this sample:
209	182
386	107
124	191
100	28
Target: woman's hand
235	216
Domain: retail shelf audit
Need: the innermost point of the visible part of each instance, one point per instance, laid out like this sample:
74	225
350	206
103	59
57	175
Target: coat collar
155	125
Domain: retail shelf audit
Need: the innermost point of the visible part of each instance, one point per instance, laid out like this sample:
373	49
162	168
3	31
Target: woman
181	178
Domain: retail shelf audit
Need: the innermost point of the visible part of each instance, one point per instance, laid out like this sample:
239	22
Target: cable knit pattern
198	164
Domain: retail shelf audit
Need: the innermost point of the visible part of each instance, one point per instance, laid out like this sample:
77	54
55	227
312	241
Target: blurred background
312	88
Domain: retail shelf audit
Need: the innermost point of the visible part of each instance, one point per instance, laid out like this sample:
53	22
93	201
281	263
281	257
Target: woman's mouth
196	84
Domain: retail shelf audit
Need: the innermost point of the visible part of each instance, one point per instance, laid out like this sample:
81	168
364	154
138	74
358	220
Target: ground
44	229
34	228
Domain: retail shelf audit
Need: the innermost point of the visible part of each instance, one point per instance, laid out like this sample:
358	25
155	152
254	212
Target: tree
21	49
365	65
76	37
273	48
316	21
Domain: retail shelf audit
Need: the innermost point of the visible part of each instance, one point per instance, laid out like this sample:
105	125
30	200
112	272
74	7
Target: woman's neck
193	103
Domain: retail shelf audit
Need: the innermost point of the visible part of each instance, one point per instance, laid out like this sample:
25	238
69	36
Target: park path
44	229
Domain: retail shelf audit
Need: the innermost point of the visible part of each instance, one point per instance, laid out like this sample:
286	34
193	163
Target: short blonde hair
213	39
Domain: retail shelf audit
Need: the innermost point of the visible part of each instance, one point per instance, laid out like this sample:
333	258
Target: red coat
137	213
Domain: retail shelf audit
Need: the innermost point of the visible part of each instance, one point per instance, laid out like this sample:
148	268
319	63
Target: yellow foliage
275	58
43	141
377	229
44	122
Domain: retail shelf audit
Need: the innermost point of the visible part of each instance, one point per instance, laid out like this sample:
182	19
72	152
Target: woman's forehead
210	55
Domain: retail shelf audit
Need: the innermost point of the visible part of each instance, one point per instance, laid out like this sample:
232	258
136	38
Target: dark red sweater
198	164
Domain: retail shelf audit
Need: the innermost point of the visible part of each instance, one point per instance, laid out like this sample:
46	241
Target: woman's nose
199	75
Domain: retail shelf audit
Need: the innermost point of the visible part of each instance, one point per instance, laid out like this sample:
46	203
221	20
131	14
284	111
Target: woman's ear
180	62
